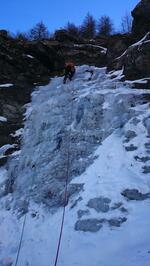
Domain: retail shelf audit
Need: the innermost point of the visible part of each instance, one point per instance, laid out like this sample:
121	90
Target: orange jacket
70	66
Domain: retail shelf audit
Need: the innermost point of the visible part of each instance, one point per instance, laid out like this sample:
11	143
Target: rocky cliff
141	19
135	61
135	56
23	65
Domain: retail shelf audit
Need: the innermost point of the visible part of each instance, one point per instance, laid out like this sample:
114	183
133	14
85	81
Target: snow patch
7	85
3	119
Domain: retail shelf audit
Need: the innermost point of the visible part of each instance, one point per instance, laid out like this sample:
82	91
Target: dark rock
11	150
76	202
64	36
81	54
142	159
131	148
124	210
116	206
9	186
141	18
8	205
100	204
88	225
75	188
11	105
117	45
101	40
72	190
49	55
147	146
116	222
129	135
24	62
5	133
135	121
3	161
134	194
81	213
135	61
146	169
143	84
146	122
34	215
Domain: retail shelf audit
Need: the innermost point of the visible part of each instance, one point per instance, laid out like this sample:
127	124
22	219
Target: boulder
141	19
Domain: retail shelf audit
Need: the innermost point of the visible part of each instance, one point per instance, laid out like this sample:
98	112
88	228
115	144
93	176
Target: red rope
65	196
63	219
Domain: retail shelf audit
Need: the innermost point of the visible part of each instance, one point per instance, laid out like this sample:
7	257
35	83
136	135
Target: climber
69	71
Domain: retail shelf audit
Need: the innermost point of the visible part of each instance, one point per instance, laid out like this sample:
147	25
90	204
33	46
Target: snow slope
104	126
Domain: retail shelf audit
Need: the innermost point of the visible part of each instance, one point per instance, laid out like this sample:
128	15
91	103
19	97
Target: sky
22	15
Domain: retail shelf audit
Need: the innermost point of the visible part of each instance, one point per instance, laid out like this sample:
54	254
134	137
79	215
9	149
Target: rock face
125	52
33	61
86	54
81	51
22	64
136	60
117	45
26	62
141	18
12	101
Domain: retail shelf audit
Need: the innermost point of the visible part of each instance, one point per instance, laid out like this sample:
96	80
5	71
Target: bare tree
126	23
72	29
39	32
105	26
88	28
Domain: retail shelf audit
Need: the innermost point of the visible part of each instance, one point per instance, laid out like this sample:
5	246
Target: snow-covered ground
96	132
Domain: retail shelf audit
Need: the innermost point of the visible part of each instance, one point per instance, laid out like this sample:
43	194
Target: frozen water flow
104	125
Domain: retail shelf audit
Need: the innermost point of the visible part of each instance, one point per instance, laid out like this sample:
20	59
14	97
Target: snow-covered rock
135	62
3	119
